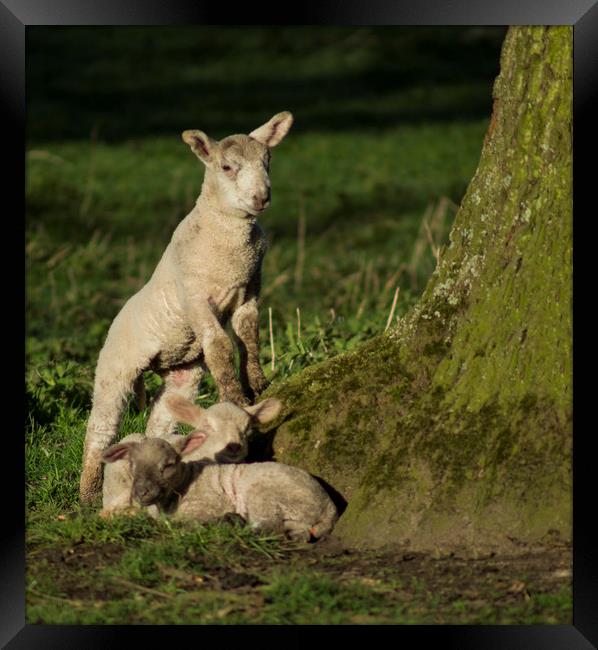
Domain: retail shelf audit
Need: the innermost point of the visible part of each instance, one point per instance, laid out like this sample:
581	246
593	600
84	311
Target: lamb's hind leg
298	531
112	387
184	381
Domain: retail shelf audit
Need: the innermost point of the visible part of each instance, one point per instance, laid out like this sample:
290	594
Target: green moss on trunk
456	426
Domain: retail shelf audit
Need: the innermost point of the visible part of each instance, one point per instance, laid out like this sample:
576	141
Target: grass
148	571
389	126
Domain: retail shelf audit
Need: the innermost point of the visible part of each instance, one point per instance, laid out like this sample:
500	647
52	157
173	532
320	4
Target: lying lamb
226	426
209	274
269	496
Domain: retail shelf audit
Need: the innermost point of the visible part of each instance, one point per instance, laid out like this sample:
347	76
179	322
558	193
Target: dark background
135	81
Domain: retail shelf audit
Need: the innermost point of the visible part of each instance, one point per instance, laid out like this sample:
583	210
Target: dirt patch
218	578
72	569
488	578
82	556
454	587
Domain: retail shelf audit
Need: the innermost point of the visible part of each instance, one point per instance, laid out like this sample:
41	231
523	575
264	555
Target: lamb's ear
201	144
117	452
273	131
264	411
184	410
188	443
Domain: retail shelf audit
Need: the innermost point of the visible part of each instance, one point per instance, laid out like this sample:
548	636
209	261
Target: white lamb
209	275
269	496
226	426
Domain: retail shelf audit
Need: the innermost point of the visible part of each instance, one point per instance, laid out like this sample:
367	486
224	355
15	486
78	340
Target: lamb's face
231	426
221	430
238	166
241	169
156	467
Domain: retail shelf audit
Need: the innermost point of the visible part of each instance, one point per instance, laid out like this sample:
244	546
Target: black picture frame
17	15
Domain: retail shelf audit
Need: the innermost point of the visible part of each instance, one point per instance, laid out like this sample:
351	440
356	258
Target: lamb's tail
139	389
327	522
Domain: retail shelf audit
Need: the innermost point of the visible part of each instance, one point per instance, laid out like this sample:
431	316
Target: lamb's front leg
202	315
245	324
218	356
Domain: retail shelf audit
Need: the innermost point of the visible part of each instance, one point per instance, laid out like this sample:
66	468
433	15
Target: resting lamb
226	425
269	496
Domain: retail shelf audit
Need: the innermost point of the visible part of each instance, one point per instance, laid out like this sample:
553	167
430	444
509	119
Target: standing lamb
209	274
226	425
270	496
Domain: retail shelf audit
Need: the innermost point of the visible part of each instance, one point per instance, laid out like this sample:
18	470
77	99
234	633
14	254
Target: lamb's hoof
234	519
236	398
260	387
299	537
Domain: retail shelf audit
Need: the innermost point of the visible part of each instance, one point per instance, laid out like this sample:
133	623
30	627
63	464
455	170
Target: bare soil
453	587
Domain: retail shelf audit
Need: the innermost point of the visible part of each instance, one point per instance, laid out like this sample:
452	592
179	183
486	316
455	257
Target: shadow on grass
131	82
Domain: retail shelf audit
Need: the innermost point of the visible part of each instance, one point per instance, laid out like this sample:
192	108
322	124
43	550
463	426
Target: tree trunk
456	426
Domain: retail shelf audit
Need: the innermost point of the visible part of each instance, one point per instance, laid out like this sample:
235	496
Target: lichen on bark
456	425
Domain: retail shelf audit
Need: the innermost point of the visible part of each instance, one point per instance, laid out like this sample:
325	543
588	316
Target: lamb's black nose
233	448
144	493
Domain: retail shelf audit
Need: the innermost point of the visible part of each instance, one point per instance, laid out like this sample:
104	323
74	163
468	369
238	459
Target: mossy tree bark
456	426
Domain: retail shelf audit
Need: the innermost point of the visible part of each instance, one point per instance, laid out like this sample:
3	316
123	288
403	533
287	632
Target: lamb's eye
168	466
226	168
